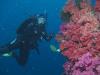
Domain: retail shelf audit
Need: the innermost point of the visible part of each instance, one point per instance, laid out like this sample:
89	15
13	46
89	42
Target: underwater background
12	14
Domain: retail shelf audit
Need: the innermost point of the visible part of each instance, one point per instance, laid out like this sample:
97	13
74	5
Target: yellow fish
54	49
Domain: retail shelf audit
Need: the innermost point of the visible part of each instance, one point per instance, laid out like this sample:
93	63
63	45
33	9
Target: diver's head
41	19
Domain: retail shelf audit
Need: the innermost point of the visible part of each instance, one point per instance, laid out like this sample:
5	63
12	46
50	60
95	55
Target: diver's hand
50	36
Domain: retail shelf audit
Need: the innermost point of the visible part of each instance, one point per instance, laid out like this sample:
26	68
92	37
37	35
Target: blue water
12	14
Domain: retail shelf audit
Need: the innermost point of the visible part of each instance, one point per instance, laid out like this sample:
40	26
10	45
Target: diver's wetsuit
28	35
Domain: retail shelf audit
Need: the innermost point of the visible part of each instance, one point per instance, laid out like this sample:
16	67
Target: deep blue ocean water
12	14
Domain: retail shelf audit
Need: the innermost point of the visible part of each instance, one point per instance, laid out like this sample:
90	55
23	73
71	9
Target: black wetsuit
28	35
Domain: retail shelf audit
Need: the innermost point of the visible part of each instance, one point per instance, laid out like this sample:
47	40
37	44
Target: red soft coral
80	41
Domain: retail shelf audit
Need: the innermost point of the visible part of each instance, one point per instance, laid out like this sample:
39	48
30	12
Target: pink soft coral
85	65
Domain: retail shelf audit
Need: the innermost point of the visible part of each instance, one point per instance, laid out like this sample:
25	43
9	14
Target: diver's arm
46	36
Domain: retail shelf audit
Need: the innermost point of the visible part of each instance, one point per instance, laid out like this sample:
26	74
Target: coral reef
79	38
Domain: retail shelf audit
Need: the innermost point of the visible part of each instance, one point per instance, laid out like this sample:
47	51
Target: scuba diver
30	32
